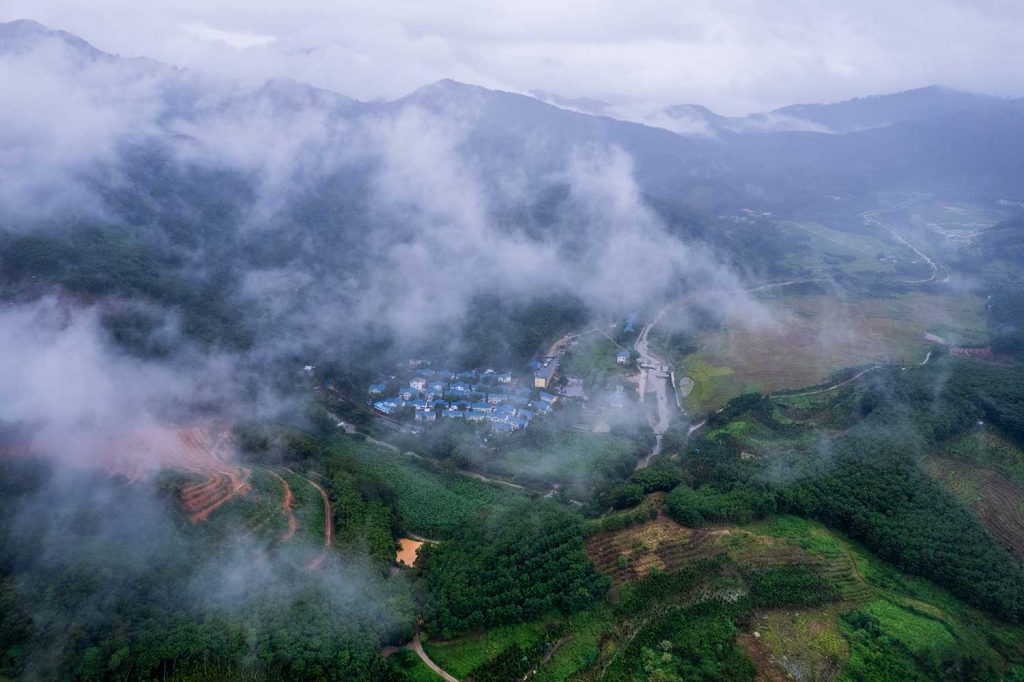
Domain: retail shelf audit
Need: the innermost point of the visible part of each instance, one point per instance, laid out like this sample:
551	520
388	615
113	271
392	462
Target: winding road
417	646
936	267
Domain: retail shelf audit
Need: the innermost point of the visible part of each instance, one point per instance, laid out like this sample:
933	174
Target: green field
461	656
411	668
430	503
824	250
571	458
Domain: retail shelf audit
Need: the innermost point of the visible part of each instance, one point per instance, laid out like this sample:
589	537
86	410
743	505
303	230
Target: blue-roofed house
378	389
547	397
496	398
501	427
460	405
452	413
541	406
481	407
418	403
435	386
476	416
525	414
388	405
408	393
622	357
459	387
519	400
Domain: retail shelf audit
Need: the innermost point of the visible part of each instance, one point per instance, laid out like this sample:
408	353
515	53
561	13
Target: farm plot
430	503
823	249
803	644
632	553
809	338
997	501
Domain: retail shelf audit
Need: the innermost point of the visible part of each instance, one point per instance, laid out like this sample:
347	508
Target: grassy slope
918	618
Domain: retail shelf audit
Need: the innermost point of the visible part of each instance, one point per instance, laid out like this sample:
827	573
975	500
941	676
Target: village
496	397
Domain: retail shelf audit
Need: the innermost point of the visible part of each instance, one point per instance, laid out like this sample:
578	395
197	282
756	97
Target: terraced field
632	553
997	501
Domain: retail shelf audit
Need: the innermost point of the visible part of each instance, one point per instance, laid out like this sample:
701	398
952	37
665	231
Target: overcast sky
735	56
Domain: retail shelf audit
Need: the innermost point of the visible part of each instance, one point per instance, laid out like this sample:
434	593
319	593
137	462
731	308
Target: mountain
585	105
882	110
24	34
847	116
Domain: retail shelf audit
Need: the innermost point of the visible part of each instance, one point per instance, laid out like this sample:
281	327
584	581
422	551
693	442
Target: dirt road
417	646
318	560
286	506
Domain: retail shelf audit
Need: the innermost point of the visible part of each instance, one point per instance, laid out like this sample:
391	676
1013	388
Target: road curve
417	646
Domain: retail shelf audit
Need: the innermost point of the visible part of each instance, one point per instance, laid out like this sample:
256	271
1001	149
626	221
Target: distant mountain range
929	139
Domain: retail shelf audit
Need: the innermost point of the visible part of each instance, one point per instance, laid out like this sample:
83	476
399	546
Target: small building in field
378	389
622	357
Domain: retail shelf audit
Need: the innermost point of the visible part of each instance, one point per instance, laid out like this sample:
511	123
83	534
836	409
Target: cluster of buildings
475	396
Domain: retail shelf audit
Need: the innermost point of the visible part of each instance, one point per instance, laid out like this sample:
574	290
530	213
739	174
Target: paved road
936	267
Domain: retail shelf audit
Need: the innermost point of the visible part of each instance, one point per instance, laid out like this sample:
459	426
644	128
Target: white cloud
733	55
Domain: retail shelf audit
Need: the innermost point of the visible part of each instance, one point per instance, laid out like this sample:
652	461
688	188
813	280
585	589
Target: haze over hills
497	386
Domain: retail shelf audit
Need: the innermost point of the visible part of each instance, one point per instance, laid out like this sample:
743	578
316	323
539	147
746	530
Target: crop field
413	669
824	250
803	644
307	507
572	456
997	501
989	448
957	222
461	656
812	337
660	544
255	513
431	503
630	554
